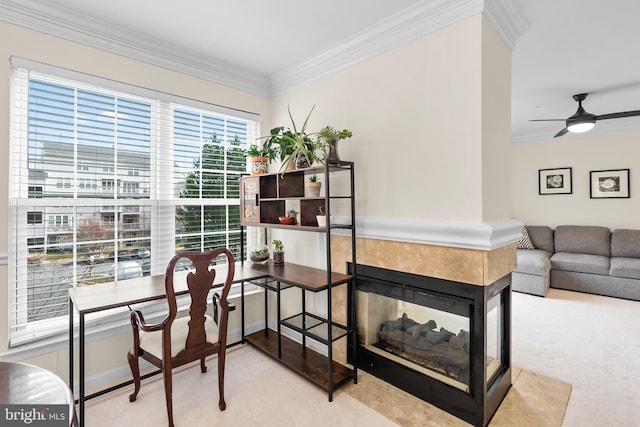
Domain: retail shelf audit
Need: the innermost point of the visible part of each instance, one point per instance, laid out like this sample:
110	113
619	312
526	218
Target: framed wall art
610	184
554	181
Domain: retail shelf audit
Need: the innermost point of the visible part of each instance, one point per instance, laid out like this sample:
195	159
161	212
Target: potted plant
290	219
313	186
321	217
259	256
330	136
278	252
294	146
259	158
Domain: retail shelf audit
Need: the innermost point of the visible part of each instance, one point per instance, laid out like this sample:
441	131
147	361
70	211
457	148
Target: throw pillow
525	241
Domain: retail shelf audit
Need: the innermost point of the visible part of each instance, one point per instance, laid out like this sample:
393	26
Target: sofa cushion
533	261
583	239
541	236
625	267
625	243
581	263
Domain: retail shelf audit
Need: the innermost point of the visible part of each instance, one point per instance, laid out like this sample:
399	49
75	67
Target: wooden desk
29	386
95	298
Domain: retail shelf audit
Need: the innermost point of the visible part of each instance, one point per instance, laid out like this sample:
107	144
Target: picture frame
555	181
610	184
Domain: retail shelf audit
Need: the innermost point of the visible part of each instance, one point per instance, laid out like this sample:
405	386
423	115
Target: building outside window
165	178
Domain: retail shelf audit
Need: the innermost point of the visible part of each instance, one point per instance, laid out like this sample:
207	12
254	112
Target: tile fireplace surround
477	268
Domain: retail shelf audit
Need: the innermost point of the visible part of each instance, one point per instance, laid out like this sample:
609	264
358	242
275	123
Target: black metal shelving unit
261	211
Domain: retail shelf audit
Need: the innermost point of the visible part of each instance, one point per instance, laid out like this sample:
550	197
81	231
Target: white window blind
108	185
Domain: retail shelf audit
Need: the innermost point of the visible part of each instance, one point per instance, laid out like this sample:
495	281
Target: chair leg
221	358
166	373
135	372
203	367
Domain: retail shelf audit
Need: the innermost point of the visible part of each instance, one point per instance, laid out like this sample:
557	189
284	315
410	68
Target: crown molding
39	16
508	18
409	24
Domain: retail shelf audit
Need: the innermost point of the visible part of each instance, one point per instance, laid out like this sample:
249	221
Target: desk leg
278	328
71	345
242	311
81	372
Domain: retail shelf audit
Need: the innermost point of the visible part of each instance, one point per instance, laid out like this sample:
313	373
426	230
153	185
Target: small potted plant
290	219
278	252
259	158
330	136
259	256
321	217
313	186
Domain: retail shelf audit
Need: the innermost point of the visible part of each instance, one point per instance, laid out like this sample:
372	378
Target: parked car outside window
126	270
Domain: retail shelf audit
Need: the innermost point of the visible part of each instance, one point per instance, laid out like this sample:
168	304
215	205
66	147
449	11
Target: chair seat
151	342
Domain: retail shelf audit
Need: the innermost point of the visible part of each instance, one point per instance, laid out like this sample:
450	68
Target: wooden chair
177	341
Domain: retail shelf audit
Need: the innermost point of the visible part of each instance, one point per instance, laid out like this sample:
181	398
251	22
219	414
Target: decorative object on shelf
321	217
610	184
330	136
278	252
294	146
290	219
259	158
259	256
313	186
554	181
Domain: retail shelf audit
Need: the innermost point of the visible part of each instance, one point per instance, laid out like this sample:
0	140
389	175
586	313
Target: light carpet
568	338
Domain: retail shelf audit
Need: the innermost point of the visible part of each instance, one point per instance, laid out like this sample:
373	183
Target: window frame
152	197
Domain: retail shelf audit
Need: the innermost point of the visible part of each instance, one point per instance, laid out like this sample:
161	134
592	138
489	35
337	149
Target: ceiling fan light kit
582	121
580	127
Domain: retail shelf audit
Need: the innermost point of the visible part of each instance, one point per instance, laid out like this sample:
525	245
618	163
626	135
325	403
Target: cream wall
104	354
583	154
496	125
419	128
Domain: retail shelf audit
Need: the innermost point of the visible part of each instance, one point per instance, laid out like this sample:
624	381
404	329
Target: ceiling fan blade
548	120
562	132
618	115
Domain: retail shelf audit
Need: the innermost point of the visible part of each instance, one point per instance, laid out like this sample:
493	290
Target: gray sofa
580	258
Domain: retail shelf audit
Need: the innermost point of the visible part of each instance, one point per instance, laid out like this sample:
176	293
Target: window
34	217
102	171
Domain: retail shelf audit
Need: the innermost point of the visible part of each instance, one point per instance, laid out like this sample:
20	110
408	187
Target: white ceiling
568	46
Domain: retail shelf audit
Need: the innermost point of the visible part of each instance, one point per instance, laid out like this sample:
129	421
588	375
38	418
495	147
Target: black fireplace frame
480	403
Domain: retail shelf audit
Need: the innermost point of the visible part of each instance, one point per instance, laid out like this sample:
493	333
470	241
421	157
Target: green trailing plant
278	246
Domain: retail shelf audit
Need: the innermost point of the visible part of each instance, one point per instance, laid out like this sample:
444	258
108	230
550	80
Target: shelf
302	360
270	284
314	327
265	198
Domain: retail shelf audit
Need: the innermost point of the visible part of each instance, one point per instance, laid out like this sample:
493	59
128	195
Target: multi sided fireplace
445	342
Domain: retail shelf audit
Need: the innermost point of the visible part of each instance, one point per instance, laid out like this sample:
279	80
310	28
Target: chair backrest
199	283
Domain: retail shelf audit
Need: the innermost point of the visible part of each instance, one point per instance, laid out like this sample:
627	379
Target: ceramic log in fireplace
445	342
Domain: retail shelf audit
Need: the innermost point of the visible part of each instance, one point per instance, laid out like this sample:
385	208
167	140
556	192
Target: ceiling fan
582	121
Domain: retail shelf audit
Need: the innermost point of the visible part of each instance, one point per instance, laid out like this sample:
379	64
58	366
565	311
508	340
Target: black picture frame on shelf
555	181
610	184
